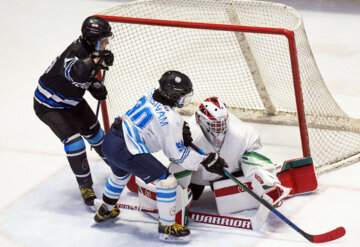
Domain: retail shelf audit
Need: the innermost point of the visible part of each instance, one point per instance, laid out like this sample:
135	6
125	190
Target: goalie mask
213	119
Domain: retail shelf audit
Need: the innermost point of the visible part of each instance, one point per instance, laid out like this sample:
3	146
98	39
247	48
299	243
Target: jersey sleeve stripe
183	157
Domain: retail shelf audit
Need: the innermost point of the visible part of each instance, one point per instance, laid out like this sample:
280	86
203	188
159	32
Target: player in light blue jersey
150	126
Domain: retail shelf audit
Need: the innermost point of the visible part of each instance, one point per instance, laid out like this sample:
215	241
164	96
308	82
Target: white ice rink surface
40	204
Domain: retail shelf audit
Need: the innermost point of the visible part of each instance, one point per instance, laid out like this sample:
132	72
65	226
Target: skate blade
168	238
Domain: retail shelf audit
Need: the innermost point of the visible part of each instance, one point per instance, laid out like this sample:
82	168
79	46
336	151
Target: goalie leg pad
231	198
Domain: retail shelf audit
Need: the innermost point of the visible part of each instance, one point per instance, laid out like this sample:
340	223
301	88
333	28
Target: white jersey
150	127
240	138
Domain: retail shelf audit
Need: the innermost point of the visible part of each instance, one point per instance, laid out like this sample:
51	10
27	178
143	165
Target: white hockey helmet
213	118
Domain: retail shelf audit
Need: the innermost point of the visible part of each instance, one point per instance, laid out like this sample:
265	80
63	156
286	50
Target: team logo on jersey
258	178
180	146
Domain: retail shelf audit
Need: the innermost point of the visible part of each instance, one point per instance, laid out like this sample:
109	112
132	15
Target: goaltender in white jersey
213	129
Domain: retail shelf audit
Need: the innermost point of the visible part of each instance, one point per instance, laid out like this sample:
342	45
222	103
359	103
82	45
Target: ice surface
40	204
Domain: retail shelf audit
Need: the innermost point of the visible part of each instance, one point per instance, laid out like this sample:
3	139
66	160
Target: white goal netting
251	72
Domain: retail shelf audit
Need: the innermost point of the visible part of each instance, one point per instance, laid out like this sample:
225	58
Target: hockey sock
114	186
166	199
76	155
95	140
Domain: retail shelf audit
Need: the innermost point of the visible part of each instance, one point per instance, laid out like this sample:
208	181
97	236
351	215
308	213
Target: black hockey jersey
63	84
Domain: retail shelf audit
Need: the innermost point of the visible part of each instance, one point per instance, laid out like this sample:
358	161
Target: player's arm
85	69
188	158
254	156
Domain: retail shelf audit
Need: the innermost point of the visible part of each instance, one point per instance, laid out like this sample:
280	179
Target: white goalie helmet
213	118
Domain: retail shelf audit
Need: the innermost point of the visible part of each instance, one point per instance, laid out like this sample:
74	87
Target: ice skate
173	233
88	195
103	214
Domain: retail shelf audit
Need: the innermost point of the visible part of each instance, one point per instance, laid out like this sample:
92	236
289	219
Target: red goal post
254	55
275	31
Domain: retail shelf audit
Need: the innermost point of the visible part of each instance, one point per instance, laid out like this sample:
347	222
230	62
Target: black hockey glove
214	163
186	134
98	90
106	59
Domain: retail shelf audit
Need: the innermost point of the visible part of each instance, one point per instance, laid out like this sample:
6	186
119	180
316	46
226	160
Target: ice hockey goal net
253	55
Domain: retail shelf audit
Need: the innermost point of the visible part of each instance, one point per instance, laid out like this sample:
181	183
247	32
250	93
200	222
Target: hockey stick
321	238
212	219
98	105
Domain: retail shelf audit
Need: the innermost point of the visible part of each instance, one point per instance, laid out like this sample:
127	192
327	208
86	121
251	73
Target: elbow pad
83	70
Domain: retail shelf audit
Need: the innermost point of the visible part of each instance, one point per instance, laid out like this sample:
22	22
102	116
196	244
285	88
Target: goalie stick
199	217
321	238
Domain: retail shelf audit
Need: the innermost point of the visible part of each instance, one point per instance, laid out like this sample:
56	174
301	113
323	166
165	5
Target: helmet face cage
213	118
184	100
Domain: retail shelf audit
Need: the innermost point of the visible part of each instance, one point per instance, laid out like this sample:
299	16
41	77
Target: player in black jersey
59	102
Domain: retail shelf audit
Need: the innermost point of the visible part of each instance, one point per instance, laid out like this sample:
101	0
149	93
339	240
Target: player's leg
148	168
117	156
90	128
62	124
115	184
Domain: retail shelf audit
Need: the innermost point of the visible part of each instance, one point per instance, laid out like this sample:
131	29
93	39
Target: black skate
103	213
173	233
88	195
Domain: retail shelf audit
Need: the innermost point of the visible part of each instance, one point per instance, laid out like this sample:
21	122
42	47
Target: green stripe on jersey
182	174
252	164
258	156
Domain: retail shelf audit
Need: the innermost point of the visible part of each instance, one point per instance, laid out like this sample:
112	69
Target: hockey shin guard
114	186
166	199
95	140
76	155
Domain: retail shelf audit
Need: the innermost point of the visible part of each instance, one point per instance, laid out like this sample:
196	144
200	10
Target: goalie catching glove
98	90
214	163
106	59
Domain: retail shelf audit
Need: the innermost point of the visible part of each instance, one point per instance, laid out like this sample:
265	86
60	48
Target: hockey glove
186	134
214	163
106	59
98	90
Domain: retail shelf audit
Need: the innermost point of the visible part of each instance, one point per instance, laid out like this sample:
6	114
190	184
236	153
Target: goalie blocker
297	174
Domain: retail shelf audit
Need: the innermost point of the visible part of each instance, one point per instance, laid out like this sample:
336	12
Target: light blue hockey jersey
150	127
